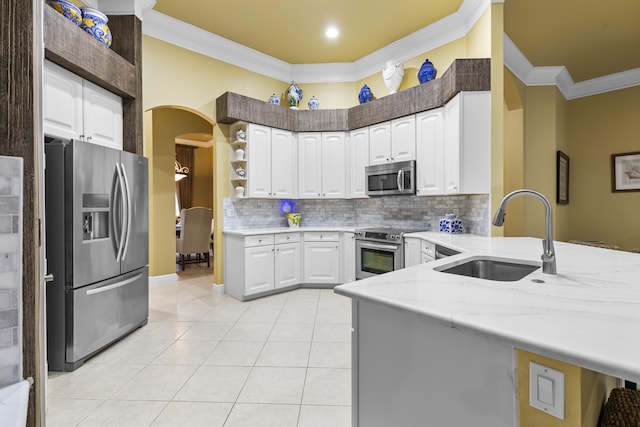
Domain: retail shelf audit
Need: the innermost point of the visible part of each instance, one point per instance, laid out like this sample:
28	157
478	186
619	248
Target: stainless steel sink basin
498	269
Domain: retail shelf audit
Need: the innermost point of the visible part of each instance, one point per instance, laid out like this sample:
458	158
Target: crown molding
190	37
559	76
444	31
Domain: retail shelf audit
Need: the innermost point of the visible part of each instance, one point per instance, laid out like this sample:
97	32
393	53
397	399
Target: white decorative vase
239	154
392	74
239	191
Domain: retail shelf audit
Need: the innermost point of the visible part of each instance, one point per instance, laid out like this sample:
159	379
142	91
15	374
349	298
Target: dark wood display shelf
462	75
69	46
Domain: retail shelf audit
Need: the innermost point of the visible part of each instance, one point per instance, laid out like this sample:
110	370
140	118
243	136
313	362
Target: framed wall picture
625	172
562	178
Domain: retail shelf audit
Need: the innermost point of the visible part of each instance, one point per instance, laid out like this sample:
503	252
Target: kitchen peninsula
433	348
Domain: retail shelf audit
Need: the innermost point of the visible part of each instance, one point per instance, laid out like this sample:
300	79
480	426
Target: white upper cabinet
430	152
62	102
284	164
380	143
102	116
403	139
75	108
334	153
271	162
393	141
467	143
322	165
258	155
358	159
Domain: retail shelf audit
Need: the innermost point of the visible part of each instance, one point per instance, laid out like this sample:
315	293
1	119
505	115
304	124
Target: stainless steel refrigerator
96	206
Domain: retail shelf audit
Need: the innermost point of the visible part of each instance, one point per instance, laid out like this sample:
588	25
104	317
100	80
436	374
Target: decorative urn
313	103
94	22
294	96
274	99
365	94
427	72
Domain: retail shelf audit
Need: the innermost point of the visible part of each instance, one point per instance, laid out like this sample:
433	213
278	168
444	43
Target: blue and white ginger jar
365	94
68	10
313	103
427	72
451	224
274	99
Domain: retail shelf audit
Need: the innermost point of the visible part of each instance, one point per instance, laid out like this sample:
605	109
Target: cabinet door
452	145
258	269
334	163
358	160
284	164
380	143
322	262
412	253
348	257
430	153
288	264
403	139
62	102
102	116
309	165
258	155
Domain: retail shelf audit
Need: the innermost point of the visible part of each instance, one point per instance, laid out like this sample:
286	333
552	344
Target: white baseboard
218	288
161	280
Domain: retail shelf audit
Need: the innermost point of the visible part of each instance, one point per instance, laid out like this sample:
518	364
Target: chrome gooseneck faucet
548	252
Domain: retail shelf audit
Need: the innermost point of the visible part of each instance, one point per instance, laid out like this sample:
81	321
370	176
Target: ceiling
591	38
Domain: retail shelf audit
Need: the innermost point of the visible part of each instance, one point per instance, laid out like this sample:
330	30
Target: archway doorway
166	126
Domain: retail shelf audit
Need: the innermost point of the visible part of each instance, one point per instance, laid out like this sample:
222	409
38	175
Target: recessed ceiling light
332	32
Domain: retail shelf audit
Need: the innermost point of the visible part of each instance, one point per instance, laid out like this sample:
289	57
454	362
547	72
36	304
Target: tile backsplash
410	212
10	270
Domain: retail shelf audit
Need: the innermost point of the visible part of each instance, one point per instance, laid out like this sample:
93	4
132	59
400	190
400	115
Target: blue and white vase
274	99
427	72
68	10
294	95
95	22
451	224
313	103
365	94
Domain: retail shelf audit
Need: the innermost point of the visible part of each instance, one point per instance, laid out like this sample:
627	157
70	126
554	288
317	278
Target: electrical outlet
229	212
546	389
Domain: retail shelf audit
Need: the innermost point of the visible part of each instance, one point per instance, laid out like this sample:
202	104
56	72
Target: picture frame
562	178
625	172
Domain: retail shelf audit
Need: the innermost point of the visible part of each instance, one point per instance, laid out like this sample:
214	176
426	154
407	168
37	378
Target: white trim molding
441	32
559	76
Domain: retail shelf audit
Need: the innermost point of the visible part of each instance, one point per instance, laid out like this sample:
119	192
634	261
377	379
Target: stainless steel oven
379	250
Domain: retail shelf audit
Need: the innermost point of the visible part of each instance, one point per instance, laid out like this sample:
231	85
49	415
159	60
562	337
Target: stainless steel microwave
391	178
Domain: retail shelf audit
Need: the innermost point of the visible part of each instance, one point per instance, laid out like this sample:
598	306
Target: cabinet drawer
287	238
258	240
321	236
428	248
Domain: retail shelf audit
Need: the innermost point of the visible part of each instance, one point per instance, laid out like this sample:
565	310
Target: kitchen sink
498	269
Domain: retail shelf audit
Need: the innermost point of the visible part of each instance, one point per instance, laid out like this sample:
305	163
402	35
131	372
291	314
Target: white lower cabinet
263	264
258	269
322	257
412	251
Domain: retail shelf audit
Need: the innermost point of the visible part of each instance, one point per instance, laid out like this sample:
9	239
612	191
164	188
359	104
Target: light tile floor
209	360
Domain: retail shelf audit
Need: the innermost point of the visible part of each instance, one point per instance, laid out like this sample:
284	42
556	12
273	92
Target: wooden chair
194	237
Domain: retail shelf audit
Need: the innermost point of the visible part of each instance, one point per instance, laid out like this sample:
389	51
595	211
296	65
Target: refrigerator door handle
114	286
129	213
123	229
112	213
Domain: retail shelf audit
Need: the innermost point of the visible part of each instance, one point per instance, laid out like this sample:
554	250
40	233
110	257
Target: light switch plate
546	389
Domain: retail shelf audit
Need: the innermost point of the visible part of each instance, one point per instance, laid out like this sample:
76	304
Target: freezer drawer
101	313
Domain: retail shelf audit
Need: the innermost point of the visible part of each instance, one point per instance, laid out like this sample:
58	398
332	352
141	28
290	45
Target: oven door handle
369	245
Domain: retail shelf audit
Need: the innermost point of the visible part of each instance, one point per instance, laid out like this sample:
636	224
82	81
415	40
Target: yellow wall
599	126
585	394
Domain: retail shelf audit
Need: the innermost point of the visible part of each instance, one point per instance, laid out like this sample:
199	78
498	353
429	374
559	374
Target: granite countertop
587	315
255	231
